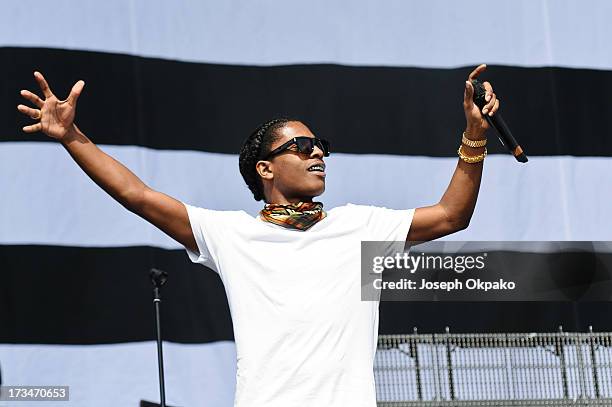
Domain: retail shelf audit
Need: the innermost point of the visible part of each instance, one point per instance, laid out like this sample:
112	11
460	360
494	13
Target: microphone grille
479	93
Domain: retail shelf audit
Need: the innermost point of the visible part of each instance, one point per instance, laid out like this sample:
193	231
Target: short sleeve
389	224
204	230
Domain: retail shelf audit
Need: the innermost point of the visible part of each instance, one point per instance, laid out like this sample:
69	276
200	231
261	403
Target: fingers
34	114
75	92
487	108
479	69
490	98
44	86
492	104
33	128
495	108
32	98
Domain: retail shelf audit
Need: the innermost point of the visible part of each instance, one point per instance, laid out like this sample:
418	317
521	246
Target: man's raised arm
56	120
454	211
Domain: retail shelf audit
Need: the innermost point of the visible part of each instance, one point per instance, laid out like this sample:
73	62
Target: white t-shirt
303	335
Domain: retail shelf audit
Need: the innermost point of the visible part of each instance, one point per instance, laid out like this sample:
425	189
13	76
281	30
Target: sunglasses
305	145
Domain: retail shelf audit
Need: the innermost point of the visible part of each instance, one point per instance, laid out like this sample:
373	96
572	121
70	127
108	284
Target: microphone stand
158	278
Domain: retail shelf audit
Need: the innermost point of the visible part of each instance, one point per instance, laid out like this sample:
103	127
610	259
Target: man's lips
317	169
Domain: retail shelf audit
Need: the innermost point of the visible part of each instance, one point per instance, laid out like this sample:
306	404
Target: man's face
290	172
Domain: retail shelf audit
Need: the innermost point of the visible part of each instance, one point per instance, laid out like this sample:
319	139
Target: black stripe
494	317
578	277
103	295
411	111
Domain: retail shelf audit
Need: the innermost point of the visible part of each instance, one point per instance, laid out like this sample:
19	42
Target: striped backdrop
172	89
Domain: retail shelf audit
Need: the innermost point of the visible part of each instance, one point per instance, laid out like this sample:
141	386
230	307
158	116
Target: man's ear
264	169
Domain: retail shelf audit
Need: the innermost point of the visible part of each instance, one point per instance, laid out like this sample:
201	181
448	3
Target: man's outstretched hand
55	116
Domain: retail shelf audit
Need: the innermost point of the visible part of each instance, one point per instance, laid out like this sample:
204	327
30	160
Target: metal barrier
514	369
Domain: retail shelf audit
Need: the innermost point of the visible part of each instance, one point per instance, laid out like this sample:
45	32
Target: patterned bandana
301	216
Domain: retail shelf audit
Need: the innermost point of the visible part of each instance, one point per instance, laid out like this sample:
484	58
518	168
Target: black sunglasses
305	145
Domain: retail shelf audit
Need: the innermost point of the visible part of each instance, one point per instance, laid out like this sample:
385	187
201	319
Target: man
303	336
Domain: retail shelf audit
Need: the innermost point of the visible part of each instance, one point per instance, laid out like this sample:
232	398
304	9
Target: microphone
158	277
497	122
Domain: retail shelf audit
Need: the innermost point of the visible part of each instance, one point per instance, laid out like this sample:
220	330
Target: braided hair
254	149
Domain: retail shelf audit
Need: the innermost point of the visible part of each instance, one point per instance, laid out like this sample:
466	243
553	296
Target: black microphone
158	277
497	122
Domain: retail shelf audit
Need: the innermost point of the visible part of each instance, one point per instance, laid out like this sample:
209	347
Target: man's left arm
454	211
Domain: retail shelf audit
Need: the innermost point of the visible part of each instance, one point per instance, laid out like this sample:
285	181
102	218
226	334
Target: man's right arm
56	120
163	211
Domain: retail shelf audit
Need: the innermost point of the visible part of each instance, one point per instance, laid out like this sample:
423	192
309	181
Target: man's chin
311	194
318	191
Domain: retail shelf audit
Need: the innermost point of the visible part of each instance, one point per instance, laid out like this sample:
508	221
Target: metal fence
514	369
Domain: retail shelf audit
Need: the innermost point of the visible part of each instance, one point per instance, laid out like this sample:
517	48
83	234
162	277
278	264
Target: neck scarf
301	216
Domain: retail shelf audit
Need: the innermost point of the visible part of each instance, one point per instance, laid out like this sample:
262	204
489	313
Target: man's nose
316	152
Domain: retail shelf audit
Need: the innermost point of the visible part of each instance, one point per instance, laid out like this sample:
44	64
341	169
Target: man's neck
287	201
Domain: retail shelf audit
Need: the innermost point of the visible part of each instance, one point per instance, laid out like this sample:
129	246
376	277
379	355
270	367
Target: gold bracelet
473	143
471	159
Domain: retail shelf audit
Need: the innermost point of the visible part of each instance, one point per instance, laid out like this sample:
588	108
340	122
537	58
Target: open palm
56	116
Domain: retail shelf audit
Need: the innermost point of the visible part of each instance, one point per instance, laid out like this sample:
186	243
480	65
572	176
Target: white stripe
123	374
204	375
48	200
435	33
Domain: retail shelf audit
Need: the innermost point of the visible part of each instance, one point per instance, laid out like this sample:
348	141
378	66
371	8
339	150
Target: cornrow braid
254	149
